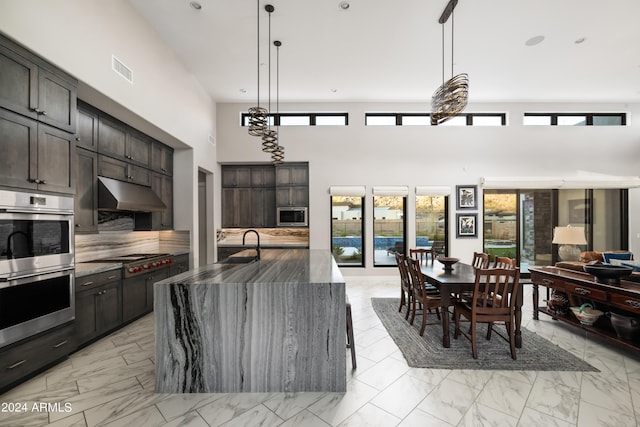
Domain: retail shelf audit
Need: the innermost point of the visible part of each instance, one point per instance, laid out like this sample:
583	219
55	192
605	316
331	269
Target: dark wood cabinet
263	207
263	176
236	207
292	185
236	176
112	138
180	264
33	88
35	156
27	357
138	148
123	171
98	305
162	158
87	133
86	197
137	294
162	185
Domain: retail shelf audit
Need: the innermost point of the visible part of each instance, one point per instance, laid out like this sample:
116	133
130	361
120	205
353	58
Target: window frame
404	229
362	233
275	118
588	117
468	118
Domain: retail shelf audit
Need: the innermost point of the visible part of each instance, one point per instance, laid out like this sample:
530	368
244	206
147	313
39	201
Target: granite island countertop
277	324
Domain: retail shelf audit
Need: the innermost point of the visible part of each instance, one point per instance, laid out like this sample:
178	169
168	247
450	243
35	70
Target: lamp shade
569	236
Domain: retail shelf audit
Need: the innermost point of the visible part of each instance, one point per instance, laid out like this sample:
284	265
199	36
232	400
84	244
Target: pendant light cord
269	75
452	21
258	46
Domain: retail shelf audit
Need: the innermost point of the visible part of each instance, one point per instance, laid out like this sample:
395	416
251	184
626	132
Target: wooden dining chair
406	288
504	262
480	260
423	255
422	300
494	297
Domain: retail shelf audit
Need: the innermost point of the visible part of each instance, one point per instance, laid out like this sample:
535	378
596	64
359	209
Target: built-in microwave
293	217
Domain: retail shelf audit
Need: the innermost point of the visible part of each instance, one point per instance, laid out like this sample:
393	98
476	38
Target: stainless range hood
114	195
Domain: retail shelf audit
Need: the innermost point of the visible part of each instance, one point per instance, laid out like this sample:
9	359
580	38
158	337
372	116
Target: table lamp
568	237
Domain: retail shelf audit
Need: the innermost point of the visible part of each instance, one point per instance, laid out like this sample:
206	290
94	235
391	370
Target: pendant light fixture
258	115
277	155
451	97
269	136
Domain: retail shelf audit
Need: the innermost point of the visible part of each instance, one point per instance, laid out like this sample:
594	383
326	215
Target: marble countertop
275	266
88	268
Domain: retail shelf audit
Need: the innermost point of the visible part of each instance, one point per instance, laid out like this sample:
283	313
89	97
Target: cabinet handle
547	282
77	225
60	344
111	277
129	177
129	157
87	284
633	303
15	365
583	291
163	169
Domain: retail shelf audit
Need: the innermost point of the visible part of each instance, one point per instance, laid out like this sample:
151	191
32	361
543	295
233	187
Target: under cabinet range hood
114	195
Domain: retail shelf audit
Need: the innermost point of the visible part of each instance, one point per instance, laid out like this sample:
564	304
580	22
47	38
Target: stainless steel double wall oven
36	263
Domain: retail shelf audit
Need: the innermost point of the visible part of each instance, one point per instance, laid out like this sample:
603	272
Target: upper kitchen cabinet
236	176
162	158
86	198
35	156
33	88
292	184
288	174
162	185
123	171
263	176
87	134
115	139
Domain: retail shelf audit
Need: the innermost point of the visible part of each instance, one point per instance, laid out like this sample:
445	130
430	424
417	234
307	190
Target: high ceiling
392	50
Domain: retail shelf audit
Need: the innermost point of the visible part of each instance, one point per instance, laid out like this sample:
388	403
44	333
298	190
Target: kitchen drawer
98	279
30	355
586	292
550	282
625	302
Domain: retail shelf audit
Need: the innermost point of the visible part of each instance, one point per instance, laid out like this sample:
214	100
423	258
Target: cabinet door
86	315
87	129
112	138
86	197
236	207
295	174
162	158
162	185
109	310
56	155
236	176
139	175
57	101
112	168
134	297
263	207
18	145
18	91
263	176
138	148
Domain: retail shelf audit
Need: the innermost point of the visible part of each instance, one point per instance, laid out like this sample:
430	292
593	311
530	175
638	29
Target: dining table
461	279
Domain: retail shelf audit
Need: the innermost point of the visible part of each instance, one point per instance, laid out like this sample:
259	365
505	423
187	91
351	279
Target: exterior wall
449	156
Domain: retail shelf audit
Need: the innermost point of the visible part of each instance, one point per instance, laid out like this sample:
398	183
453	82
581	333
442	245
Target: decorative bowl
586	314
447	262
607	273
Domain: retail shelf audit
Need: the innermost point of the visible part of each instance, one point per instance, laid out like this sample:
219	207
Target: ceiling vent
122	69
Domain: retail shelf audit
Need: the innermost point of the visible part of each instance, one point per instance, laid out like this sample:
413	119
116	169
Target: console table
623	298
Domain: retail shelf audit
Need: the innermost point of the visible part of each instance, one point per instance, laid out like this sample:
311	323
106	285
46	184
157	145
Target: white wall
165	101
421	155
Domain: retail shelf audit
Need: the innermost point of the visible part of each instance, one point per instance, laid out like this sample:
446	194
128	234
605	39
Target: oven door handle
39	273
63	212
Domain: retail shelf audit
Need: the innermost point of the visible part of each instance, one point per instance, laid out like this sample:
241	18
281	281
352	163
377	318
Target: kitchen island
275	324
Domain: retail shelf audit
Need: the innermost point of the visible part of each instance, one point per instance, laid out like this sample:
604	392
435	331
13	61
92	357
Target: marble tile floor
111	383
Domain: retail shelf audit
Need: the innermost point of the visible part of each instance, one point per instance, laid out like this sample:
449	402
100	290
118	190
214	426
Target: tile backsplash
105	244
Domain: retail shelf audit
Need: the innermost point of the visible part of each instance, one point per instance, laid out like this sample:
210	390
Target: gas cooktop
139	263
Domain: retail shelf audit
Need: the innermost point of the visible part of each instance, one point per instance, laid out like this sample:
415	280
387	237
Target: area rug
536	354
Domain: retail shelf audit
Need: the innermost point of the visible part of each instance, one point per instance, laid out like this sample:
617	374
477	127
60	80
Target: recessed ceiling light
534	40
334	90
195	5
243	91
344	5
580	40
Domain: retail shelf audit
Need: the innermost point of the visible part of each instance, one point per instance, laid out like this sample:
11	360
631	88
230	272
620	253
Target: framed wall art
466	196
466	225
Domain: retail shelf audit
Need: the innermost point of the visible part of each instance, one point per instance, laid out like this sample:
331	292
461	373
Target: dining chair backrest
495	292
504	262
417	279
422	255
480	260
404	272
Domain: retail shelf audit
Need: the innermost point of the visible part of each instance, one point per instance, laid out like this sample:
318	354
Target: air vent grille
119	67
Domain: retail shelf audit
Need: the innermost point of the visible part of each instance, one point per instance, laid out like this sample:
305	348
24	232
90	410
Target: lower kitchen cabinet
25	358
98	305
137	293
180	264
